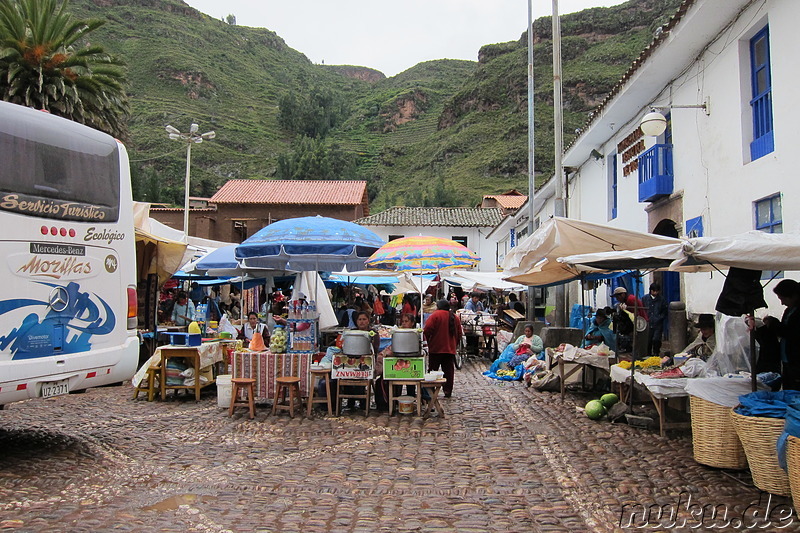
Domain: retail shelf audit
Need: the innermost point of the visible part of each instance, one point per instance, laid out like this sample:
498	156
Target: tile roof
508	201
434	216
327	192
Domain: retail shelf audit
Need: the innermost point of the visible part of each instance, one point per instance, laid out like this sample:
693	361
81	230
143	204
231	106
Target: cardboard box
403	368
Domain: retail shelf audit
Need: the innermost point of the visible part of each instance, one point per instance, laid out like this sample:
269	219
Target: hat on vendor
705	320
620	290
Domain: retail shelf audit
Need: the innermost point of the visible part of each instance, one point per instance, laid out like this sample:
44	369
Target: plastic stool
286	384
248	386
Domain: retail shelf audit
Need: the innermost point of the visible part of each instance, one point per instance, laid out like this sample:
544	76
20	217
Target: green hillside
444	132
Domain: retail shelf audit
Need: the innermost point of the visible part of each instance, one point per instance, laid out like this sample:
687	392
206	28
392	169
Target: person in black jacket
788	331
656	307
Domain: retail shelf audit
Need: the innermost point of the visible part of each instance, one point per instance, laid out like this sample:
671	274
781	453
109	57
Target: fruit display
278	340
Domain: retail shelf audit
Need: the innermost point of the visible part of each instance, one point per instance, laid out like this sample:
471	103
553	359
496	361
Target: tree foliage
44	66
312	114
311	159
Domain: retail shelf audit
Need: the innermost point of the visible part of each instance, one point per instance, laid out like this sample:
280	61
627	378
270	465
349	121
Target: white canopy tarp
534	260
754	250
470	280
313	288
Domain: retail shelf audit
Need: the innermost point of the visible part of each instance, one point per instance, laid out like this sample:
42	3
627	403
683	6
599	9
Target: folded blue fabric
767	403
791	427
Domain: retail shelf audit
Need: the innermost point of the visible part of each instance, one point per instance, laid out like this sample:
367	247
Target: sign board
346	367
403	367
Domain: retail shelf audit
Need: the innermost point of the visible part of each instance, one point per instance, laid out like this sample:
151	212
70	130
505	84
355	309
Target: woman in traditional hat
703	346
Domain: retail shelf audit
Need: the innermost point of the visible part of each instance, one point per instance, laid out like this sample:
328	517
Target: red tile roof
508	201
326	192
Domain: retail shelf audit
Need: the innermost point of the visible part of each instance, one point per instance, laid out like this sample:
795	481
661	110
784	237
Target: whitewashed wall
711	154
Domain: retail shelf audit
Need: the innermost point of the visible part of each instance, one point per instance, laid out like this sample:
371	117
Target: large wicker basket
714	439
793	462
759	436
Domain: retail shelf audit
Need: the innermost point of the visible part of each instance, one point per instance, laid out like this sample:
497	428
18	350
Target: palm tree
41	66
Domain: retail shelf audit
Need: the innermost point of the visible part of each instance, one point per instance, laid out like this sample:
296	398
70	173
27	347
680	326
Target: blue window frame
761	103
769	215
769	218
612	166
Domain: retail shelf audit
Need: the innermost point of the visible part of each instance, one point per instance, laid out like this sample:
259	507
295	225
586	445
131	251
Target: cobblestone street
506	458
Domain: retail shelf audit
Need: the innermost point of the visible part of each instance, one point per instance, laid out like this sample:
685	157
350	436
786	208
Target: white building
466	225
722	72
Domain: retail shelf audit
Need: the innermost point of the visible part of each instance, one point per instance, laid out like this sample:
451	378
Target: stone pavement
506	458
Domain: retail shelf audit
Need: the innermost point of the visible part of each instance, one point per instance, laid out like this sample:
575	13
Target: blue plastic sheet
579	317
519	371
767	403
792	427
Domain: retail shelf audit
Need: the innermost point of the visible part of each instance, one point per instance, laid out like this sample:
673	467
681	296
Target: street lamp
189	138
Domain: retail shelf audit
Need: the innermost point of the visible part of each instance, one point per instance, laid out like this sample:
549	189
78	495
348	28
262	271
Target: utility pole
558	171
531	307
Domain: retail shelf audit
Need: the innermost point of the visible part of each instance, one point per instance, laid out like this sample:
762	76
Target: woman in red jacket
443	331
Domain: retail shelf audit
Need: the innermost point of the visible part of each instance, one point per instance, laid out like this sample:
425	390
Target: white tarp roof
470	280
754	250
172	250
534	260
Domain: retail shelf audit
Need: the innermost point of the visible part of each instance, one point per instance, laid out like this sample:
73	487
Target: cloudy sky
386	35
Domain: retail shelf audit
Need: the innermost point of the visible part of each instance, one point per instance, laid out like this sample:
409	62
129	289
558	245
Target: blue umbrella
309	244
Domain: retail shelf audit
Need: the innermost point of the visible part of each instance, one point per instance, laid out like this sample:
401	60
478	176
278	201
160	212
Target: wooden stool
399	383
148	382
316	376
434	387
248	386
290	384
366	383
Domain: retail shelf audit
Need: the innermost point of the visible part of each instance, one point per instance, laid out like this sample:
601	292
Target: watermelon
609	399
594	409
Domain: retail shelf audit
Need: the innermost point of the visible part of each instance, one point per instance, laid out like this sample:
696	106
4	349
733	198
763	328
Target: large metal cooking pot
355	342
405	341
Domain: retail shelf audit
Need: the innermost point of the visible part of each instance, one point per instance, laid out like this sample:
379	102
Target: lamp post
189	138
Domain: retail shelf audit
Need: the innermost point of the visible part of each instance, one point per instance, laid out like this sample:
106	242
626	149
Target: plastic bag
225	325
732	352
546	380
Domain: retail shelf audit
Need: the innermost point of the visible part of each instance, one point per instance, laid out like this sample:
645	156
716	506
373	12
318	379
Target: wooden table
318	374
266	367
659	390
400	382
435	386
191	354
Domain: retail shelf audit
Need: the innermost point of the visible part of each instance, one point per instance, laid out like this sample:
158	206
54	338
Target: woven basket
793	462
759	436
714	439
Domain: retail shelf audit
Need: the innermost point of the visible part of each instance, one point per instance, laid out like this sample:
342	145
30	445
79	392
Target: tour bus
67	257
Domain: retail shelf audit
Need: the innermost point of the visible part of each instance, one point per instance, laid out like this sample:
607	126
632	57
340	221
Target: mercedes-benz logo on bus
59	299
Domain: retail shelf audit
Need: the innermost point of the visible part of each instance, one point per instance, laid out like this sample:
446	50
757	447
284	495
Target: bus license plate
54	388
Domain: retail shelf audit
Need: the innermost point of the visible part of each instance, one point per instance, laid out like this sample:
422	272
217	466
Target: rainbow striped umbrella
422	254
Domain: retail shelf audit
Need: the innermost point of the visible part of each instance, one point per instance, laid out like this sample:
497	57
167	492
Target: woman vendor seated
533	341
526	346
253	326
600	331
705	342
